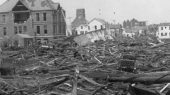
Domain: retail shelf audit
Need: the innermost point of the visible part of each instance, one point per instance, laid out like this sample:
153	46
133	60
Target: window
3	18
20	29
162	28
101	26
164	34
165	27
44	16
89	27
4	29
15	30
25	28
37	16
81	27
45	29
95	27
38	29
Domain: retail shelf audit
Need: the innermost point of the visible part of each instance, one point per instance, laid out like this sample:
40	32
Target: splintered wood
121	66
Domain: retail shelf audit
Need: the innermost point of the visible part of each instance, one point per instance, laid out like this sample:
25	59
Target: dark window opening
38	29
101	26
162	28
45	29
21	17
95	27
15	30
3	18
44	16
4	29
20	29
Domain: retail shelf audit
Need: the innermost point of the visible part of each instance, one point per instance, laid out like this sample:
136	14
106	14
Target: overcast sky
152	11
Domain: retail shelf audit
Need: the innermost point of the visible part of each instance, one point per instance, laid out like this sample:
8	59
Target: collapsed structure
122	66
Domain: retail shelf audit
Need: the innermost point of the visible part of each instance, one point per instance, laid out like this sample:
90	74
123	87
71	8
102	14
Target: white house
163	31
82	29
128	33
96	24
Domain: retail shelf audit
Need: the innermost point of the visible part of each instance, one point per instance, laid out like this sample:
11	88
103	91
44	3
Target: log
117	76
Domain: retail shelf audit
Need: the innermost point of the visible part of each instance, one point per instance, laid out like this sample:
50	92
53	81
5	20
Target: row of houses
130	27
40	20
161	31
81	26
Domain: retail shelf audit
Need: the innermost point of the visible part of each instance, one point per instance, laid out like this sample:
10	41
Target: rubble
119	66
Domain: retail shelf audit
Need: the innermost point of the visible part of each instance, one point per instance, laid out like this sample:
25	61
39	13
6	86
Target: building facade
163	31
128	33
133	23
79	21
82	29
96	24
41	19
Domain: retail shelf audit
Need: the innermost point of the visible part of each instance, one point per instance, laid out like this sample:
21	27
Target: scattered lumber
101	68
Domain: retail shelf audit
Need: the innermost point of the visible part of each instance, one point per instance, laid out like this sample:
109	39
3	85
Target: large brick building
43	20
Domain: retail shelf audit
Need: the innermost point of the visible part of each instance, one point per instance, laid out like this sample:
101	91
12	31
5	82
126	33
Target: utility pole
35	36
114	20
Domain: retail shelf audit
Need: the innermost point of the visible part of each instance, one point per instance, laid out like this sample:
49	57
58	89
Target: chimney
80	13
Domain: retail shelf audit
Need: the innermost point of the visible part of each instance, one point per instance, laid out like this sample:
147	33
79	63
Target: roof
164	24
99	19
79	21
33	5
115	26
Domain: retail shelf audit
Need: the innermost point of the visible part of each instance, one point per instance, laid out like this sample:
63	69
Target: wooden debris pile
113	67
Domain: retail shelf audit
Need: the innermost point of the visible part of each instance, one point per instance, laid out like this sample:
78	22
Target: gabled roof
164	24
33	5
115	26
79	21
99	19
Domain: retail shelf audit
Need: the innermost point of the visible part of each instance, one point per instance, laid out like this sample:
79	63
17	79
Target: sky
152	11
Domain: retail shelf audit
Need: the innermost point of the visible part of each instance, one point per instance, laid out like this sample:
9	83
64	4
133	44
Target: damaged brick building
39	20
